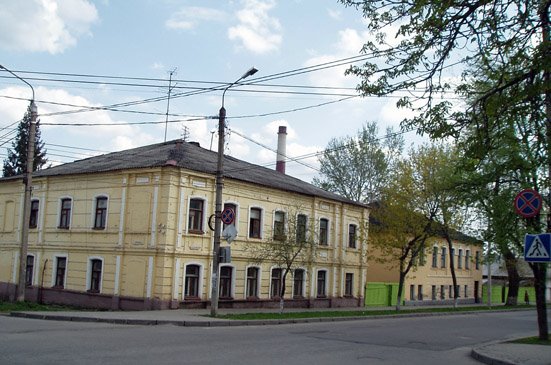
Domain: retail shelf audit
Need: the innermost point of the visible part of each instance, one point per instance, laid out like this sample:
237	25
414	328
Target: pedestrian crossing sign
537	247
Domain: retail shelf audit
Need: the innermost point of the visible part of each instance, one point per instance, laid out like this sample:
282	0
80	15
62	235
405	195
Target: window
255	223
460	259
96	266
252	282
452	256
191	289
443	257
298	283
433	293
468	259
450	291
101	212
301	228
225	282
435	257
65	214
412	292
352	236
324	225
29	271
422	257
279	226
195	224
275	291
234	208
348	284
419	292
60	268
442	292
466	291
33	220
321	284
458	291
477	260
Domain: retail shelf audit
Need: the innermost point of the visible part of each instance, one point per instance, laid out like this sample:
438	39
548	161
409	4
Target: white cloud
189	17
257	31
44	25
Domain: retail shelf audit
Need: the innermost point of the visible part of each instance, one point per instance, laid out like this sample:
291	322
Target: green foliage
16	163
359	167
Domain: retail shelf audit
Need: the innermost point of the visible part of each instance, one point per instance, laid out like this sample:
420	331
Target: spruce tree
16	163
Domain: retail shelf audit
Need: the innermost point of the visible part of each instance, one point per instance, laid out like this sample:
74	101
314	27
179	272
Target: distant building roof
190	156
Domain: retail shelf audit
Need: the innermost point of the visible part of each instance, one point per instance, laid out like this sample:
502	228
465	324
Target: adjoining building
130	230
430	281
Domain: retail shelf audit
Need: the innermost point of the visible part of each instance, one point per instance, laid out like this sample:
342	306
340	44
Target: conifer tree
16	162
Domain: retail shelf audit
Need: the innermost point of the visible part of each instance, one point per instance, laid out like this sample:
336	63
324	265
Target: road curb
232	323
477	354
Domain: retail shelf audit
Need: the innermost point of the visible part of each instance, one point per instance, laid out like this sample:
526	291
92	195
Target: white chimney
281	146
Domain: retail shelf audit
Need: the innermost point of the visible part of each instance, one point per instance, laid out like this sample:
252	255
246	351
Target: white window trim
357	242
33	278
59	206
328	231
55	256
258	281
38	222
304	275
233	271
201	276
204	215
89	272
261	222
94	207
308	227
326	291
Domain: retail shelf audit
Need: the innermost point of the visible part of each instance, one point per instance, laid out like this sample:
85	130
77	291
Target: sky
86	58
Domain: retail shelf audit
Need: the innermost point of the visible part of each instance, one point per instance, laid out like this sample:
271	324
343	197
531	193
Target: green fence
381	294
499	294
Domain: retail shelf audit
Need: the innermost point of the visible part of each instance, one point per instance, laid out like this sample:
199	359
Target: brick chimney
281	146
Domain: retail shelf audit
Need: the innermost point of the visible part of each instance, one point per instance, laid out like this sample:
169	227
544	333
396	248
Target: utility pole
218	206
168	99
27	180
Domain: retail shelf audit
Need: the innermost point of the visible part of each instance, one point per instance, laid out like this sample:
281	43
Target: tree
507	41
358	167
405	218
16	163
292	245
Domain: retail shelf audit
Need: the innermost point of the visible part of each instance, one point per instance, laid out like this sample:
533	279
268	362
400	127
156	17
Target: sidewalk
498	353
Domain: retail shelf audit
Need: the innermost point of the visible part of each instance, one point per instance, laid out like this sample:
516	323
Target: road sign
228	216
528	203
537	247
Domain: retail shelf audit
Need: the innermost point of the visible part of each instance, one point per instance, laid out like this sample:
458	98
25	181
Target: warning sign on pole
537	247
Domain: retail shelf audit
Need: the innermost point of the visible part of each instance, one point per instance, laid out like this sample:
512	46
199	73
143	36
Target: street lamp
27	180
219	186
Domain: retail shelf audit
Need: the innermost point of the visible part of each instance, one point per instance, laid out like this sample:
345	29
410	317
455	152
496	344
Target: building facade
430	282
130	230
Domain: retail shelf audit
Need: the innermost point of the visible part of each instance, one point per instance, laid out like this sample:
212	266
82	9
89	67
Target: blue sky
208	44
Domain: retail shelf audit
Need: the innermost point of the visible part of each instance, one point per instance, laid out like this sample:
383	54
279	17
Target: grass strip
533	341
360	313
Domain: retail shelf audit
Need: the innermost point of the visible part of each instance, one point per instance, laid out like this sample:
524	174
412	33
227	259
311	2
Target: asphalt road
425	340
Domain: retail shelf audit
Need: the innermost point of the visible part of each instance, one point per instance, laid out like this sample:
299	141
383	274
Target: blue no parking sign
537	247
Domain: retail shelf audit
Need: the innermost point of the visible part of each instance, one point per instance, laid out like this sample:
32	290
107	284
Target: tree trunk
400	290
540	272
514	278
452	269
282	292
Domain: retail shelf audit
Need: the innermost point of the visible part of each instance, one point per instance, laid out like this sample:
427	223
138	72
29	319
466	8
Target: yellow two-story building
130	230
430	281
